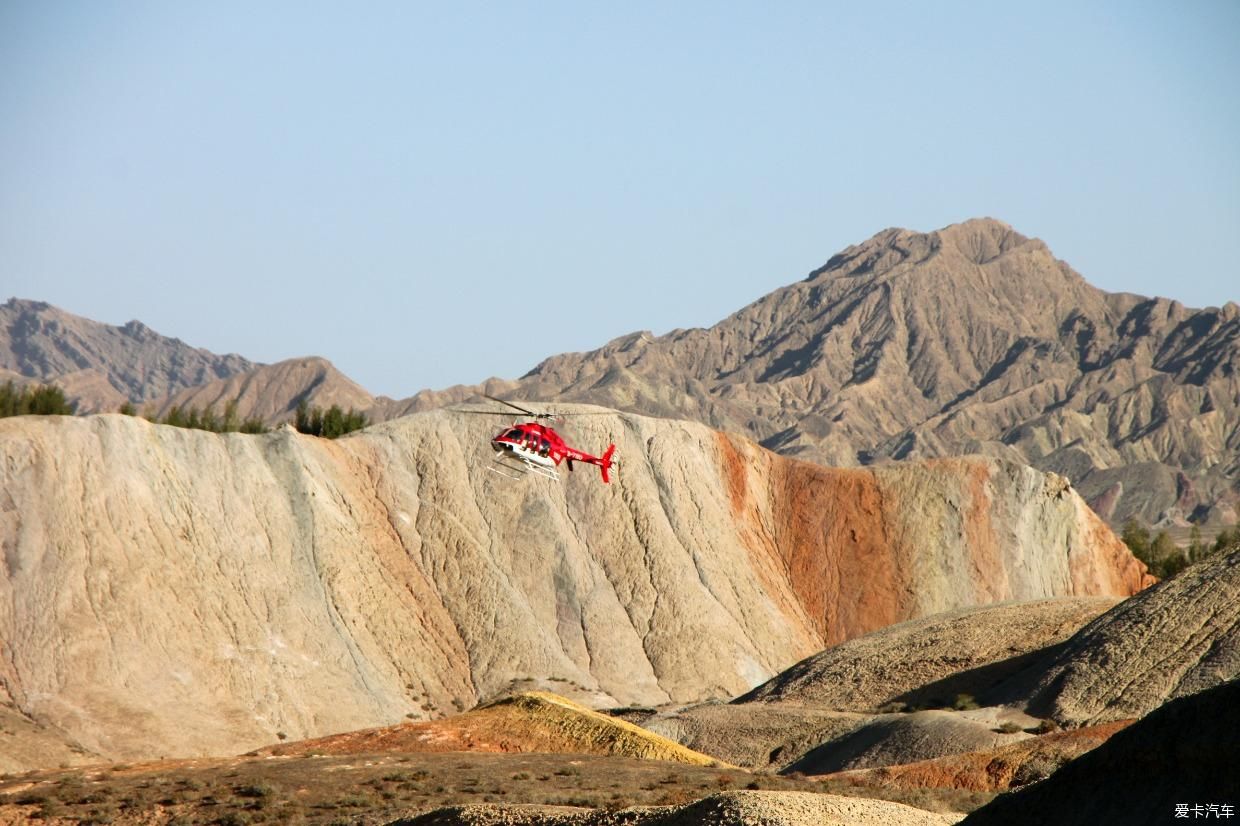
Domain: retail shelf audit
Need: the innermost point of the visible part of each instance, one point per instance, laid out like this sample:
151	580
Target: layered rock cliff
168	591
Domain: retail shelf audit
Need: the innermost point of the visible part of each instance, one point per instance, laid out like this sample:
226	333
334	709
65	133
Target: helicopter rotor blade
518	407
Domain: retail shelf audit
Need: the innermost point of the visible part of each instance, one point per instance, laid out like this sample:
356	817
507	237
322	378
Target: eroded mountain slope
1178	638
175	592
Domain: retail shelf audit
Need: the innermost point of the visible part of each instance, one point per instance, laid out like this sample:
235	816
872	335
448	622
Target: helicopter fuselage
541	446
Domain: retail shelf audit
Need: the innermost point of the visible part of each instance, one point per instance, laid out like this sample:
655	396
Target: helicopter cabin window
514	434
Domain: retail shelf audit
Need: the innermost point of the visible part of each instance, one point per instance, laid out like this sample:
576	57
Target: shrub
1038	767
1009	727
207	420
1045	727
1160	554
329	423
40	400
965	702
1225	541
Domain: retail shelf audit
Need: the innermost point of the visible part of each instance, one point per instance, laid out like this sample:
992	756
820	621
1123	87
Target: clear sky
433	193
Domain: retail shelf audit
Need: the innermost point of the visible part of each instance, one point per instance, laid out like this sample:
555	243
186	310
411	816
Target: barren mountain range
98	365
970	339
917	617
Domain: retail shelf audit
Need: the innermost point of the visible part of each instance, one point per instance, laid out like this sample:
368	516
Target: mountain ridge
969	339
101	365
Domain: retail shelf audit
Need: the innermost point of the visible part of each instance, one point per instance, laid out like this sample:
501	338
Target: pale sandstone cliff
168	591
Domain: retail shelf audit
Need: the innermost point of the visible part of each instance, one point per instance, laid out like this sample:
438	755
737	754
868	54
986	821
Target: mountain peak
983	239
977	240
42	342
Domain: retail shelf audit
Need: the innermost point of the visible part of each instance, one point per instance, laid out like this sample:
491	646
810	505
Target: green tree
1197	549
1137	537
40	400
231	422
1168	559
208	419
1226	541
329	423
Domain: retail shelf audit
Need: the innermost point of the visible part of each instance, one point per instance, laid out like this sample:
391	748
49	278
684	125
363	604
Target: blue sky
430	194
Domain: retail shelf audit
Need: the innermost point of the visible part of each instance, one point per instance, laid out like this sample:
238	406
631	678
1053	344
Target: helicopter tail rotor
605	465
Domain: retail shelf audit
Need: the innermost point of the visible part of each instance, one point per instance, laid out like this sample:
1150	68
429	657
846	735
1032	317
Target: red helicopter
534	447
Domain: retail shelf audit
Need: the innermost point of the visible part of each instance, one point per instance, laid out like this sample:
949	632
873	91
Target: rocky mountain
970	339
176	592
273	391
890	665
99	365
1007	767
1176	639
1182	754
889	696
964	691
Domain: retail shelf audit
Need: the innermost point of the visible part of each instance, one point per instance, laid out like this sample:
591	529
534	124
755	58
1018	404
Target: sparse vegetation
1039	767
1159	553
329	423
965	702
1225	541
1045	727
1009	727
381	787
1164	558
41	400
207	419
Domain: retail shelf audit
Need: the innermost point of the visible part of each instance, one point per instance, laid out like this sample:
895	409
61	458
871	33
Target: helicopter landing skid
505	462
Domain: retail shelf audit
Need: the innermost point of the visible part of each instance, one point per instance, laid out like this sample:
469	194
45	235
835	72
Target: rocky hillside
994	770
98	365
273	391
1176	639
971	339
976	646
168	592
1182	753
890	696
531	721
